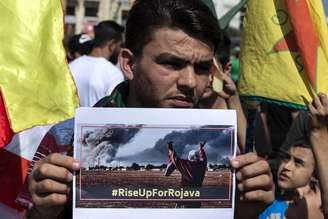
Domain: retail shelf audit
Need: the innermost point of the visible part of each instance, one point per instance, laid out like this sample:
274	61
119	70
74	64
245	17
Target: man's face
296	168
173	70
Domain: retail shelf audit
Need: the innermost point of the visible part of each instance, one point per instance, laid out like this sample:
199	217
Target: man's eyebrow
170	57
175	58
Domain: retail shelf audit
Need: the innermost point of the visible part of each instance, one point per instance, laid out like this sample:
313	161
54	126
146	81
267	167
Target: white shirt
95	78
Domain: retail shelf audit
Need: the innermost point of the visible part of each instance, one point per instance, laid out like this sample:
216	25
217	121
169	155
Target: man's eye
174	65
203	69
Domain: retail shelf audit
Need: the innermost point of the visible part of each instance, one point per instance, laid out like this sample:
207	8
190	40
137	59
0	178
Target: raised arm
202	154
230	94
319	140
170	150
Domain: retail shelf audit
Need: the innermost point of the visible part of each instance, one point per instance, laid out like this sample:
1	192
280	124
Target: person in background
227	97
95	74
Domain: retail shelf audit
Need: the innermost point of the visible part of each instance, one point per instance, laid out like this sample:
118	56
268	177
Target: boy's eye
285	157
285	160
299	163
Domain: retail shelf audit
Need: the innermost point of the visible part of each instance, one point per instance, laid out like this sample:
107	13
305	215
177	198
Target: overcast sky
146	138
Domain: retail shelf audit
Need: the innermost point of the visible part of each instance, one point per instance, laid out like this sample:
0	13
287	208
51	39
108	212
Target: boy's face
173	70
296	169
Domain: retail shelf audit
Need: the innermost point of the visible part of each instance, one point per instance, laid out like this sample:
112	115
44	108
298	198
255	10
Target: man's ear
126	60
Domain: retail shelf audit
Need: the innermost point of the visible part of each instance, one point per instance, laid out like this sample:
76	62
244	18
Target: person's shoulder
78	60
110	66
79	63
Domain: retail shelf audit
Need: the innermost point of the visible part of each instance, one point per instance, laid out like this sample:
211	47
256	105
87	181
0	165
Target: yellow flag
284	53
36	85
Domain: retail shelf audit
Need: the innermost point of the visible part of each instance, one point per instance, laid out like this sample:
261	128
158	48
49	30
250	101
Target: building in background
82	15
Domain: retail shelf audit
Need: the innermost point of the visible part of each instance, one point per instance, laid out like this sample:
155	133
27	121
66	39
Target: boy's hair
191	16
106	31
298	133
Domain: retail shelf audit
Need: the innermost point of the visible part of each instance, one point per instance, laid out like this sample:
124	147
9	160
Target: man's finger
259	195
51	200
253	170
312	110
323	99
244	159
317	103
51	186
50	171
62	161
262	182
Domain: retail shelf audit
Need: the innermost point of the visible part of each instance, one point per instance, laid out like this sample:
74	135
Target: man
170	45
227	98
95	76
192	170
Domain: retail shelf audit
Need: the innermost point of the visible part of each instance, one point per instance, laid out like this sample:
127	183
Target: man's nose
289	165
187	77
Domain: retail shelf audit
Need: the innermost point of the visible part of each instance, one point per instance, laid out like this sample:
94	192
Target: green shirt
117	98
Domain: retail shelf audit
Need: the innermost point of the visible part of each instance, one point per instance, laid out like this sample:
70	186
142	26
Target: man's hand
318	120
229	86
254	178
49	183
170	146
319	113
201	145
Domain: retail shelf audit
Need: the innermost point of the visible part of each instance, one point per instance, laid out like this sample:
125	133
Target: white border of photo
149	116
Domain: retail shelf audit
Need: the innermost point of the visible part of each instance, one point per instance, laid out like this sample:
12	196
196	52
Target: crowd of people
170	53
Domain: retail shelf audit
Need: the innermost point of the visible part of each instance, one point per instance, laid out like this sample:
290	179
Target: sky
325	3
146	139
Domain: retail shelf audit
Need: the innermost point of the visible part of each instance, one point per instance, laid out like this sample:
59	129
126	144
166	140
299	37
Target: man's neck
98	52
132	100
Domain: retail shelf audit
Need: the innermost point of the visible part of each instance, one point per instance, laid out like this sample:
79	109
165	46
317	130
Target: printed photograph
155	166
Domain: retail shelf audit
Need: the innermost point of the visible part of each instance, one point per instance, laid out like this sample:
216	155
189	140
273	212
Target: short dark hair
80	43
191	16
106	31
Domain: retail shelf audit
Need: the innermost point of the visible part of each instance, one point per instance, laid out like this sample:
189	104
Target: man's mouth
182	101
283	176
